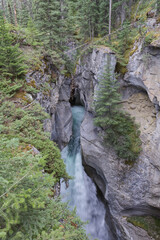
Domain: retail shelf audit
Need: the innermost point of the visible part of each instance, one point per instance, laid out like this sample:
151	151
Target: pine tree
119	128
106	103
51	20
25	12
28	207
124	37
103	17
11	61
32	34
88	14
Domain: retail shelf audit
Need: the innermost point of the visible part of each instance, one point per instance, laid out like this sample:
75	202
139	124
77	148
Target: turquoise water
82	191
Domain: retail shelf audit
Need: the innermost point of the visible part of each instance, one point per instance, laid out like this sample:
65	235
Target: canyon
127	190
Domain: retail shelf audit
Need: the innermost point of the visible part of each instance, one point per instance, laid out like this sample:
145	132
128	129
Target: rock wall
89	68
53	94
129	190
144	71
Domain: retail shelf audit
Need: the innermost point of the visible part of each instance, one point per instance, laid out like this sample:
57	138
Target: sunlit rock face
144	70
124	187
128	190
88	70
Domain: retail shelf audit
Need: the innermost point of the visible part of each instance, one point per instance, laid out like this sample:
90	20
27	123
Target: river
82	191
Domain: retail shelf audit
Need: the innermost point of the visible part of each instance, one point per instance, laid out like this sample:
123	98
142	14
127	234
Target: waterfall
81	192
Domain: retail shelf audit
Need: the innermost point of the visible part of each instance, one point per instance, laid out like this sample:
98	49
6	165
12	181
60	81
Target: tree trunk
3	9
15	13
62	9
30	9
158	7
90	30
130	6
10	13
110	16
123	12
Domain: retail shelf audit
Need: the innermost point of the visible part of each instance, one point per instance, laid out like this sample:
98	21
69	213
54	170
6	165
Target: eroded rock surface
88	72
129	190
144	70
53	94
140	107
126	186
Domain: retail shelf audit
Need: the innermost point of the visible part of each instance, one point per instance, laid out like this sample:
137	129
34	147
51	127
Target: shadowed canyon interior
82	192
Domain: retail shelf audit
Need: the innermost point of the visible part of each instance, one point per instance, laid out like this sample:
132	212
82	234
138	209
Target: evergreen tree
11	61
51	19
120	130
32	34
28	207
24	13
88	14
103	17
106	103
124	37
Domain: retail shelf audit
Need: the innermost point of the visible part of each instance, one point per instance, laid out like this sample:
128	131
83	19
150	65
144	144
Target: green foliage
11	60
32	34
28	176
8	88
27	210
27	125
124	37
149	38
148	223
53	29
88	18
122	44
56	31
158	7
25	12
119	128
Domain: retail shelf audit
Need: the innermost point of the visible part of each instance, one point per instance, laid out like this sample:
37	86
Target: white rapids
82	192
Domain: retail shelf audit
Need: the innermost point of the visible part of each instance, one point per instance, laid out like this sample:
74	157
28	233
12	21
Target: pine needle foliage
11	60
28	210
54	28
119	128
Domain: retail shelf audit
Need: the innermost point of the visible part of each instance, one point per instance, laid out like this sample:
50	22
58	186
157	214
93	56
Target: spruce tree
106	103
88	14
51	20
103	16
11	61
119	128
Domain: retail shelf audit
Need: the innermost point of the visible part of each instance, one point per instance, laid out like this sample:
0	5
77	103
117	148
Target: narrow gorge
127	190
80	120
81	192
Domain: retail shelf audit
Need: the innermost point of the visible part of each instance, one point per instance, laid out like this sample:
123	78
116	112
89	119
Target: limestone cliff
128	190
53	94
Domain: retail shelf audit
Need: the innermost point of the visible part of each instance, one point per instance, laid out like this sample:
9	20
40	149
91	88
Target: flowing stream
82	191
